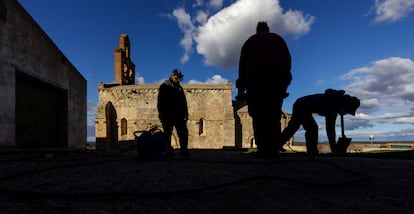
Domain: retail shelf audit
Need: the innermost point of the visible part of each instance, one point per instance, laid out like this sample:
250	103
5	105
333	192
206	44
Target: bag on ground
152	144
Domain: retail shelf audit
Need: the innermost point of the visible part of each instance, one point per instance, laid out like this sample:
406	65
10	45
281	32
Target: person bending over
329	104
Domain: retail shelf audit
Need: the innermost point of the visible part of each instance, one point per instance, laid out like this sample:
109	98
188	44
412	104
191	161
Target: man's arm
330	121
160	101
241	81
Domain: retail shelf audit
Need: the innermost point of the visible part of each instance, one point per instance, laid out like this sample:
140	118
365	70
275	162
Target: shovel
343	141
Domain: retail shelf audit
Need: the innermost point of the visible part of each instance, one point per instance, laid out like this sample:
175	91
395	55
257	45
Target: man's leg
257	131
167	126
252	106
182	131
266	127
290	130
272	129
311	135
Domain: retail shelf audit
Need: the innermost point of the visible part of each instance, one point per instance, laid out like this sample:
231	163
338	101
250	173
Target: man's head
176	76
351	104
262	27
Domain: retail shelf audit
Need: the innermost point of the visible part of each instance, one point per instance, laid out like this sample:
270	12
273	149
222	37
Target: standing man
173	110
264	76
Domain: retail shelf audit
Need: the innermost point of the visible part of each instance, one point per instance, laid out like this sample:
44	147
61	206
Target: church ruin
215	120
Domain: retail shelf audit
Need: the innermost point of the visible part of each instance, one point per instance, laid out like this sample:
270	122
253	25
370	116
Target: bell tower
124	68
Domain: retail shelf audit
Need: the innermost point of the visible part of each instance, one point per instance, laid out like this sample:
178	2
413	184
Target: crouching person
329	104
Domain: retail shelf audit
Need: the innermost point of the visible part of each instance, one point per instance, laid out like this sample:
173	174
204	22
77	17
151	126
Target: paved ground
218	181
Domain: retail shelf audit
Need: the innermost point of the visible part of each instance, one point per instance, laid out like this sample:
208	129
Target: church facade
215	120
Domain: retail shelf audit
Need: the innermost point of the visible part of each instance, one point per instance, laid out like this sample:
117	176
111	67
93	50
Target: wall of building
26	50
211	119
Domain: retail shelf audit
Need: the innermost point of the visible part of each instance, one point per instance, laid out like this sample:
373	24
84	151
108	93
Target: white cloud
91	109
216	3
320	82
384	88
201	17
220	37
216	79
186	25
392	10
139	79
198	3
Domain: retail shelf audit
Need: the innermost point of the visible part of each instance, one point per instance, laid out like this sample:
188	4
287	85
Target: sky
362	47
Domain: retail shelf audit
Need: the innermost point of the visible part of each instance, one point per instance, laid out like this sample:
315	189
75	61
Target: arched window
201	126
124	128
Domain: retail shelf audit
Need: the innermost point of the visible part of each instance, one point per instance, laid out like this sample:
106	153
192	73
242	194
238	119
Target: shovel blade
342	145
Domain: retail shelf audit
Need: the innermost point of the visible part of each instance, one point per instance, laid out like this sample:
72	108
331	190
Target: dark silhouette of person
264	76
329	104
173	110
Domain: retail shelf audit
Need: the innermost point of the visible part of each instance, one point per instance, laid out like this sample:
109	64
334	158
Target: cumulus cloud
201	17
384	87
219	37
392	10
216	79
91	115
186	25
354	123
216	3
91	109
139	79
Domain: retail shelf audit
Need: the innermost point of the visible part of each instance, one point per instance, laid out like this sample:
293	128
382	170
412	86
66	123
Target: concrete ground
209	181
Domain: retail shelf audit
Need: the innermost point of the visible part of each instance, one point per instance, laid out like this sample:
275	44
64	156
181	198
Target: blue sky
364	47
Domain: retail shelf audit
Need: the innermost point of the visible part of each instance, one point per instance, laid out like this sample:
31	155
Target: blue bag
152	144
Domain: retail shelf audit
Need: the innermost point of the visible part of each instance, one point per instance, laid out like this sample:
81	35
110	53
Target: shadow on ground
209	181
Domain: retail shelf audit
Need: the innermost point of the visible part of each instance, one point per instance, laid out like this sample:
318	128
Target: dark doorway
41	114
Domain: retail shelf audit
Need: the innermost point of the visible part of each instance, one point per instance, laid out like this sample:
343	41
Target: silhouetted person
329	105
173	110
264	75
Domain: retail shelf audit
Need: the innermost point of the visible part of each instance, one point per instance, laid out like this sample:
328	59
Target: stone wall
211	119
27	52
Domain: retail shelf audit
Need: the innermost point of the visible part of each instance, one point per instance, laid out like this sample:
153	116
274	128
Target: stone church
215	120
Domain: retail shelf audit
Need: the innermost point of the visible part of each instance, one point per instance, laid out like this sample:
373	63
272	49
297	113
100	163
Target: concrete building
215	120
43	95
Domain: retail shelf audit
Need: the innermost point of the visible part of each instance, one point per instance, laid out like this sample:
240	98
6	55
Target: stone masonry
211	119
